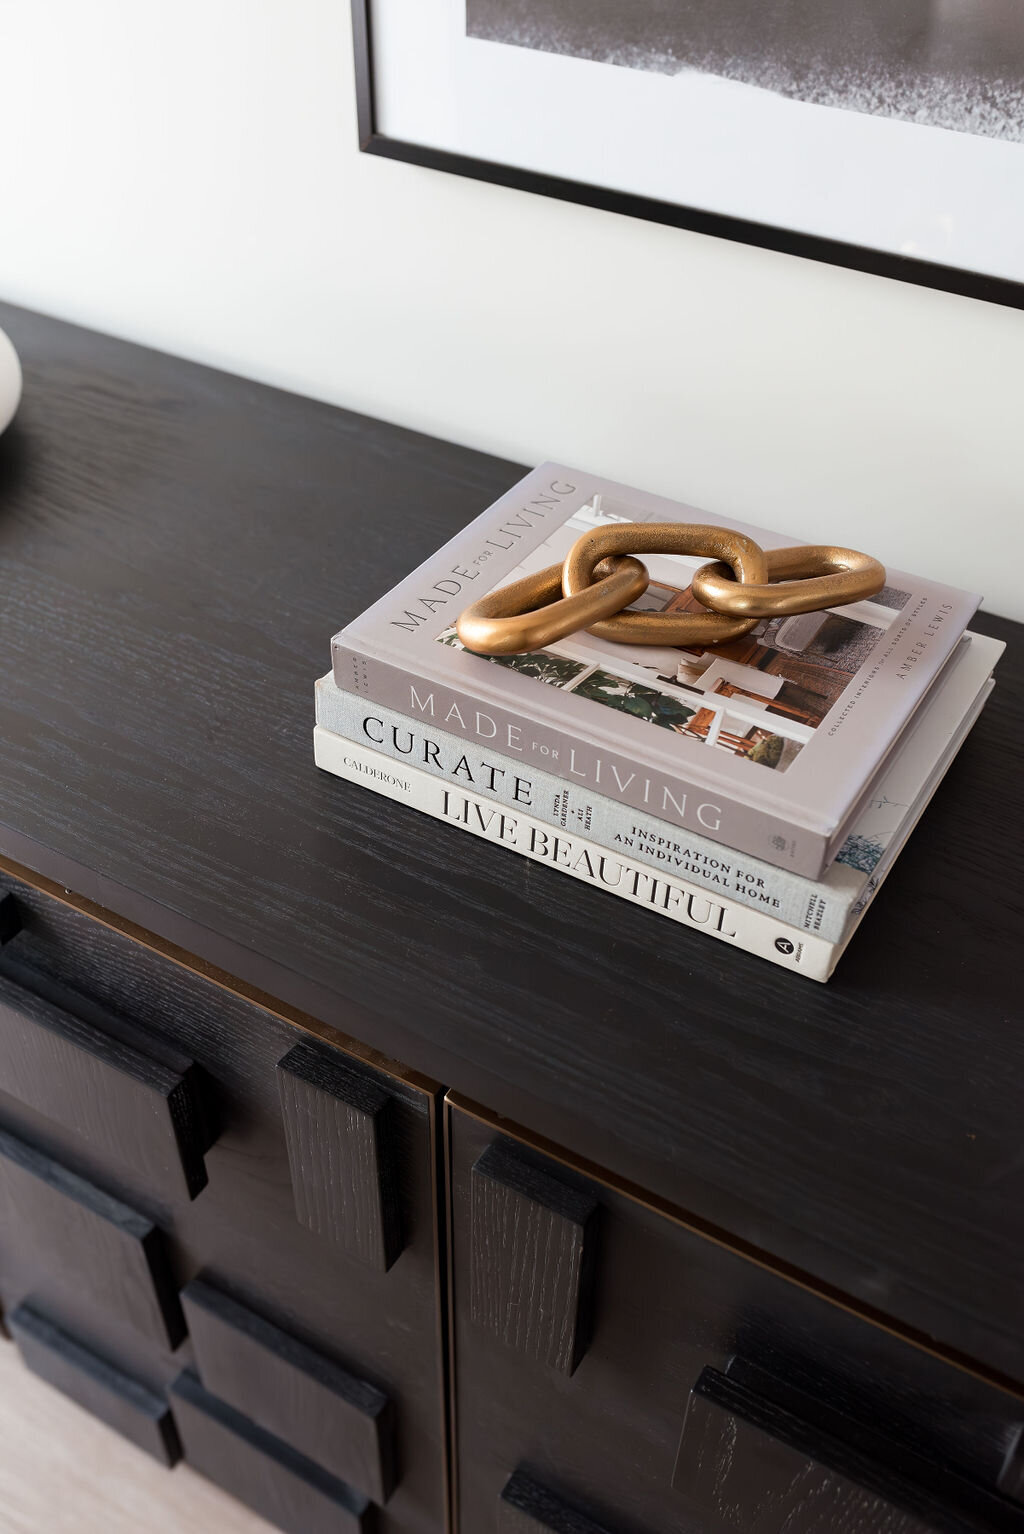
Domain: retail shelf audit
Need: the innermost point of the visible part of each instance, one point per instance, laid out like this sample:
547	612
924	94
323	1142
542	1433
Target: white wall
186	174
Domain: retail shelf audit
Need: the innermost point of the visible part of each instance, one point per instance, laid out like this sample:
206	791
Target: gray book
769	744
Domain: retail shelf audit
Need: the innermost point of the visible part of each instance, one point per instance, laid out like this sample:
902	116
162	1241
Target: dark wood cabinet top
176	548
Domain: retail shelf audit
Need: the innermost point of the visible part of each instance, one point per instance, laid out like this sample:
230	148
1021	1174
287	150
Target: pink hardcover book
768	743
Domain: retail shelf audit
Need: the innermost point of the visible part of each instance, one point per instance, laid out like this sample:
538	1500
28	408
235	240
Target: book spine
690	906
682	803
497	777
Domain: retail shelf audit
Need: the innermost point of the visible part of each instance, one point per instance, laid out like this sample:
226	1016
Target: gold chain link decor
601	576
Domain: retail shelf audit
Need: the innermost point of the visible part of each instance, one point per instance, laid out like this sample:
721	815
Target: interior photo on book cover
760	697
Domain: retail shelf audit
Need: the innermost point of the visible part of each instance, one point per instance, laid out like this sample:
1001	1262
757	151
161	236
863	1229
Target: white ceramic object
10	380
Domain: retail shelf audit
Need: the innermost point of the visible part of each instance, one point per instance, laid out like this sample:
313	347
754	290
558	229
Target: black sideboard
391	1180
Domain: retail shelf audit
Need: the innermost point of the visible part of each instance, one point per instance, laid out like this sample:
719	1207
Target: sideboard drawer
316	1224
617	1370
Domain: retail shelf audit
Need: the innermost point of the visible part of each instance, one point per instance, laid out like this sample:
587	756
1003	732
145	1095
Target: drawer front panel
290	1492
90	1240
128	1102
784	1395
329	1415
124	1403
370	1304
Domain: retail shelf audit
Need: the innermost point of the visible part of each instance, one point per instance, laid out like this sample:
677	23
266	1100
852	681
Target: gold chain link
741	555
531	612
598	579
804	579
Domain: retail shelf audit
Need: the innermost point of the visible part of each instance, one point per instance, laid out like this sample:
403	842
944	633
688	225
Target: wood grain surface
339	1125
128	1103
528	1507
532	1260
291	1390
177	547
63	1471
747	1463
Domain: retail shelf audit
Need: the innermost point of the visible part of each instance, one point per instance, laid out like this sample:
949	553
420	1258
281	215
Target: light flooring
63	1472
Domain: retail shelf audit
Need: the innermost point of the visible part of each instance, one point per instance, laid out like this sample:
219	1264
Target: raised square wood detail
1011	1477
533	1240
10	917
343	1423
119	1400
93	1241
746	1461
120	1099
337	1122
527	1507
288	1490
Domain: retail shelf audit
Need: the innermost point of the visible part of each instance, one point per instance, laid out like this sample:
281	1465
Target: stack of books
758	791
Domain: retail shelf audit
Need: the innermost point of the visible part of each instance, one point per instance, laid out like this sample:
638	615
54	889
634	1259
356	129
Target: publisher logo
785	945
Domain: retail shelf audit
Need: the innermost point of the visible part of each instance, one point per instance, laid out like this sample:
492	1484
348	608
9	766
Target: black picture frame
860	258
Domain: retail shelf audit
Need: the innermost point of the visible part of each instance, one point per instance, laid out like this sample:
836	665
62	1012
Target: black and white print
956	64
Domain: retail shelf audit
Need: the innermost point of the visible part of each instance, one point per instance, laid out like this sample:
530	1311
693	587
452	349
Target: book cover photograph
767	742
761	697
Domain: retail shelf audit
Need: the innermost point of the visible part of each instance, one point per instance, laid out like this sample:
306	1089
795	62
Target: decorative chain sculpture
601	577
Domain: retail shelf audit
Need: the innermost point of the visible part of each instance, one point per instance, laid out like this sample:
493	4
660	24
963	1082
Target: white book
949	714
820	907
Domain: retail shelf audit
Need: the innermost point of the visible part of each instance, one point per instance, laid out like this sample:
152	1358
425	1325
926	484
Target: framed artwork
883	135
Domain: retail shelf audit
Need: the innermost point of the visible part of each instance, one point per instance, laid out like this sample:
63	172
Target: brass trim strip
221	978
452	1420
745	1250
442	1290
